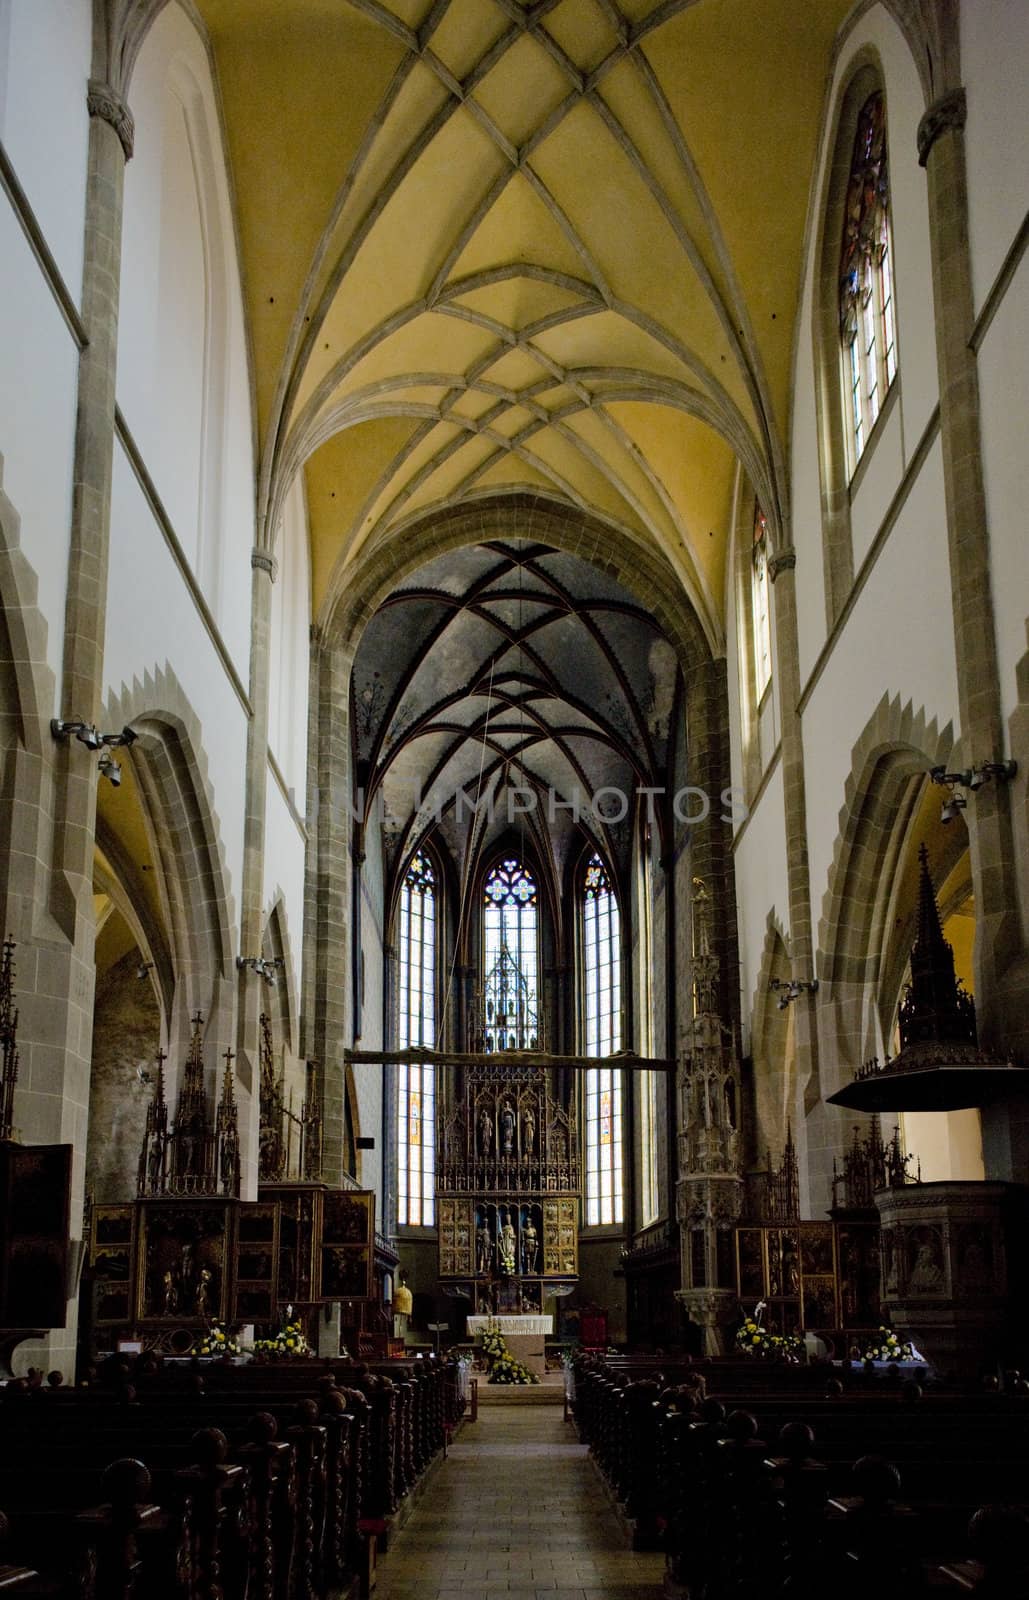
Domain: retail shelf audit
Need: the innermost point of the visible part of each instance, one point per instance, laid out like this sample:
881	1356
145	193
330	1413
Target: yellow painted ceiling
494	245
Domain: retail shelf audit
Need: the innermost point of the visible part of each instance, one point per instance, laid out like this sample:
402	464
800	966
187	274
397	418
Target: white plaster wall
44	127
284	849
892	446
1004	398
5	46
183	381
152	623
890	644
45	50
38	378
994	53
290	646
761	885
881	471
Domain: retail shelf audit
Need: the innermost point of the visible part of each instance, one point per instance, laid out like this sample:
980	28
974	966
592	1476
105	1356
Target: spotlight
113	740
84	732
953	807
790	989
110	769
264	967
144	969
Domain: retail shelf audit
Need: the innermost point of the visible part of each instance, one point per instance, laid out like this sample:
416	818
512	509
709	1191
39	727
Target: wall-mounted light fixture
790	989
972	779
144	970
265	967
93	739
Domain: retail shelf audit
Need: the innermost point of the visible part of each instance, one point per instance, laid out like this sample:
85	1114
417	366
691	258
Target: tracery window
648	1081
416	1110
511	958
602	1019
867	315
760	612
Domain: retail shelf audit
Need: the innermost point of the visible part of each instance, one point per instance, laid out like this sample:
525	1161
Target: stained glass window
761	617
603	1034
868	326
511	958
648	1081
416	1110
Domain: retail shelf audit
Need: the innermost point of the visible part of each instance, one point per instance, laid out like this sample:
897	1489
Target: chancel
514	798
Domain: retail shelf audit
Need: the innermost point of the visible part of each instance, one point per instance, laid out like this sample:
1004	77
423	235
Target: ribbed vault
511	685
552	247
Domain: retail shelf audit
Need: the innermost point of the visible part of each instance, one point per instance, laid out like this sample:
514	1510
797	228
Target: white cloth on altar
512	1324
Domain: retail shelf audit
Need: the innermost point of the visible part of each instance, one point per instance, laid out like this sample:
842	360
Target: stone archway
894	752
169	762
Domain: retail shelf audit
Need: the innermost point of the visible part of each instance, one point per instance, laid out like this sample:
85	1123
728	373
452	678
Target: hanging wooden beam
623	1060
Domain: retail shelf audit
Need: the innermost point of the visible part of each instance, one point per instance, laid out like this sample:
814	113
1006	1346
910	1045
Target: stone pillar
1001	980
327	978
711	859
816	1137
55	958
250	998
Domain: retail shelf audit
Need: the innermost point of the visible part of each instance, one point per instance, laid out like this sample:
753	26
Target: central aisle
516	1512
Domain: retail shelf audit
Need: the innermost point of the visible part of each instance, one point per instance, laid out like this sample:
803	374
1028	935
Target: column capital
949	111
105	102
783	561
264	561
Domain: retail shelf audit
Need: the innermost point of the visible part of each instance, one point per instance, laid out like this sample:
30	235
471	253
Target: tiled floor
516	1512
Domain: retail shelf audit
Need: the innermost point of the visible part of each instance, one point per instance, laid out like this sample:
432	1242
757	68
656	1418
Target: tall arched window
867	313
760	605
602	1029
511	958
416	1110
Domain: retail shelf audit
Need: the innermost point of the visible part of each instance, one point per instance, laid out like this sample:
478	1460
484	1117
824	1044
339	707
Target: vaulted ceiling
553	246
529	681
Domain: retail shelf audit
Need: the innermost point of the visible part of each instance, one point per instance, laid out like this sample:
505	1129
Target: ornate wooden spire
935	1006
191	1145
152	1176
227	1134
938	1066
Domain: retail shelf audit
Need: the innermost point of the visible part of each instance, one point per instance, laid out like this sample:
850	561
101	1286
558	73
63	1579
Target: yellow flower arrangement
887	1347
216	1342
754	1340
289	1341
503	1368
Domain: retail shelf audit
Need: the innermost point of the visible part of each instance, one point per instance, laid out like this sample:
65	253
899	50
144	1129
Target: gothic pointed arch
898	744
169	762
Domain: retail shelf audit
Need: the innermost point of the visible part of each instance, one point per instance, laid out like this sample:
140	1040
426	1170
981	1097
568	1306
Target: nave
516	1512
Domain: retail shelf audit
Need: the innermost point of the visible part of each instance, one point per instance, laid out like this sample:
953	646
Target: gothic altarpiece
508	1180
507	1191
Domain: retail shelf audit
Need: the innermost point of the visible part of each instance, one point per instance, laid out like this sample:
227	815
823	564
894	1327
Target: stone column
55	958
327	982
250	986
1001	985
711	859
816	1139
